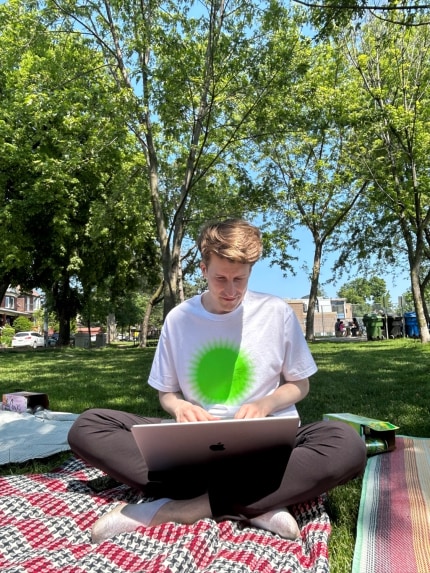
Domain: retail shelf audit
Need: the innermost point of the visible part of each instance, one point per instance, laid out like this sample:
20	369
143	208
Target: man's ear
203	268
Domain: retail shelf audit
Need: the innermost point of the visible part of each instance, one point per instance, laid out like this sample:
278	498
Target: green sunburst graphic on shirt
221	373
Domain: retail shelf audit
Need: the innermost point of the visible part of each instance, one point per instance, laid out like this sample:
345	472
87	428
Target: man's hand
187	412
182	410
256	409
285	395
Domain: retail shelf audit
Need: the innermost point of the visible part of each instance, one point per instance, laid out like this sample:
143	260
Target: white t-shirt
220	361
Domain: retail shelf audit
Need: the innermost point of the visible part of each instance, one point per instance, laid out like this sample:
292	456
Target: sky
270	279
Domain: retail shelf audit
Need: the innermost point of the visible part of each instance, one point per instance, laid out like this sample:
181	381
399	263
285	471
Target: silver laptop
168	445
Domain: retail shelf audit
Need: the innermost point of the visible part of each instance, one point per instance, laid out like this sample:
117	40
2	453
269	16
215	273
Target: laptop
166	446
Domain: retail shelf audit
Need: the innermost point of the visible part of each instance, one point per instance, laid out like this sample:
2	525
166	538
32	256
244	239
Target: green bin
373	324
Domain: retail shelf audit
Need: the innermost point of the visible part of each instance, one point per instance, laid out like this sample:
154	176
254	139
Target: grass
387	380
77	379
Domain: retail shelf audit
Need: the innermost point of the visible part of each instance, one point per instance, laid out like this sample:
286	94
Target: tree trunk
111	328
65	306
418	303
313	295
89	332
145	323
170	286
64	326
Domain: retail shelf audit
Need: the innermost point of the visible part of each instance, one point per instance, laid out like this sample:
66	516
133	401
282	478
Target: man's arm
181	410
287	394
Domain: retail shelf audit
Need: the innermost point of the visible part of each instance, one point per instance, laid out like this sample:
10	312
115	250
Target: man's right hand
183	411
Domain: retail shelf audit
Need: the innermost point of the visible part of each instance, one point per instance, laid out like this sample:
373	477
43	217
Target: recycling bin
411	325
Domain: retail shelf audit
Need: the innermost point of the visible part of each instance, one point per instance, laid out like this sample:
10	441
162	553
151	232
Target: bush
22	324
7	333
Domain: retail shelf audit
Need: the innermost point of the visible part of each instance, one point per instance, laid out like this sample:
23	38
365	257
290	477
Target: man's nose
229	288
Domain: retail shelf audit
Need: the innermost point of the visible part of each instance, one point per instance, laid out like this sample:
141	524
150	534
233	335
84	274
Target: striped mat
46	519
393	533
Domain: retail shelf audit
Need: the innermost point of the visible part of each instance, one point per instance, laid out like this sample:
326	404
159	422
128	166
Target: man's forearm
288	394
169	401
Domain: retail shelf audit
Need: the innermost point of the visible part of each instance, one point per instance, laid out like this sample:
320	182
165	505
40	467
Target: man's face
227	284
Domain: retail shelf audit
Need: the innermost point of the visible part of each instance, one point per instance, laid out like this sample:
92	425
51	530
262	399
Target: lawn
387	380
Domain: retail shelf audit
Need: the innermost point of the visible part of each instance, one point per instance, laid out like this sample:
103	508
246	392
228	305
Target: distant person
268	375
355	327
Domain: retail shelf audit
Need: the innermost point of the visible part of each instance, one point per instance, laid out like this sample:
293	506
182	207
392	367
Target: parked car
31	339
123	337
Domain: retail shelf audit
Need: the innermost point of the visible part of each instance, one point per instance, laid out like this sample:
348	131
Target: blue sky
265	278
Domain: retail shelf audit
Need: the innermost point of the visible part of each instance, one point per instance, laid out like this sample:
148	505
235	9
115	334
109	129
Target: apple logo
219	447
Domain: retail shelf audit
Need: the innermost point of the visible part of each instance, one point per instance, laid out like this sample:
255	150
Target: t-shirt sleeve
163	376
298	361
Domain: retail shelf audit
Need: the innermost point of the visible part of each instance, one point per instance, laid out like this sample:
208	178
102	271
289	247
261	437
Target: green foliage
390	148
305	163
130	310
6	335
409	301
123	127
362	290
73	202
39	319
22	324
329	17
190	75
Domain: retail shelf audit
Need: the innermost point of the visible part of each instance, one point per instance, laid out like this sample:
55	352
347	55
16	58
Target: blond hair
234	239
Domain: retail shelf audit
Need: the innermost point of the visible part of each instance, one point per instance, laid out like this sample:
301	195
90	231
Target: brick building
327	311
17	302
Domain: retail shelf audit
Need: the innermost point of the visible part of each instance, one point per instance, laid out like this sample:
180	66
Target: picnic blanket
45	523
26	436
393	534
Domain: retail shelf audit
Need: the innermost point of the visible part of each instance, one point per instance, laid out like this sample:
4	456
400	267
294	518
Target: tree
306	156
69	218
362	290
329	16
392	145
130	311
186	72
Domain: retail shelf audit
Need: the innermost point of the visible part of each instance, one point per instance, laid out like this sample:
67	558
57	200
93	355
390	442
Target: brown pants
326	454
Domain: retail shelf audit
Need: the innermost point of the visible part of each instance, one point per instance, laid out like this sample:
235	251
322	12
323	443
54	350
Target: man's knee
80	428
341	446
351	450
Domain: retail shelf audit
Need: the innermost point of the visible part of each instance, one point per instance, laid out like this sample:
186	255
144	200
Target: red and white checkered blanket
45	523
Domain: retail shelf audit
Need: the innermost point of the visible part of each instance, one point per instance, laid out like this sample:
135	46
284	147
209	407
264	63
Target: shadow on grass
77	379
387	380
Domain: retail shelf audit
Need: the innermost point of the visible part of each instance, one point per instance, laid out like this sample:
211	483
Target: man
229	352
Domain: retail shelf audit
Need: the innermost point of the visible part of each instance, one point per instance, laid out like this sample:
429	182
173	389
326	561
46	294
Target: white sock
146	510
125	518
278	521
